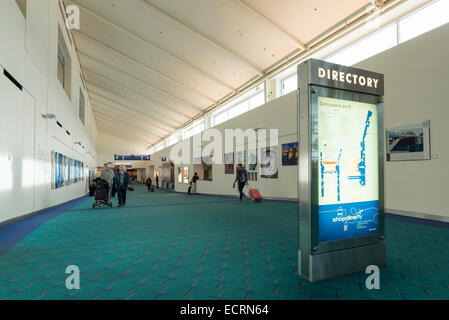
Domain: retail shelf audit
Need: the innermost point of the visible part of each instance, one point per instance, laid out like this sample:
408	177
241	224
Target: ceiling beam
141	65
166	53
124	122
98	104
113	126
99	90
154	106
160	124
227	51
121	123
292	38
149	86
138	118
120	134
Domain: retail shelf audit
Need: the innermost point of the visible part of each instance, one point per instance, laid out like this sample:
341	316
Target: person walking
242	179
122	181
157	181
108	175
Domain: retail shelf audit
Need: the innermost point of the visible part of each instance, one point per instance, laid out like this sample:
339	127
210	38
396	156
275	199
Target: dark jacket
126	180
242	175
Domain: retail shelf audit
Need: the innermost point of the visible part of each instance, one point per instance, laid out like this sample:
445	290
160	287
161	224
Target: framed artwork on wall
408	142
240	157
252	176
252	160
290	153
65	171
229	163
186	175
269	163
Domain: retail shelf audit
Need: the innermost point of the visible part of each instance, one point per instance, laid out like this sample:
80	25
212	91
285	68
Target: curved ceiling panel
152	65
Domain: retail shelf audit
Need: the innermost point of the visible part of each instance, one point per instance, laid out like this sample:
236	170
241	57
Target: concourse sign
340	181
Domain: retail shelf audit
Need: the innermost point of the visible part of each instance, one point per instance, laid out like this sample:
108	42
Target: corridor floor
171	246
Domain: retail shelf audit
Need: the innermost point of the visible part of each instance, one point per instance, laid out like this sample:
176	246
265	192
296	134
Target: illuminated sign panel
341	224
347	78
348	177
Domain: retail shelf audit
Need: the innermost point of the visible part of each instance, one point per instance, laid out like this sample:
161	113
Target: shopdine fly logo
347	218
347	77
73	17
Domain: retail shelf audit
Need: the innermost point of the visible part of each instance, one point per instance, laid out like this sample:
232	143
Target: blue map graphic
362	164
326	171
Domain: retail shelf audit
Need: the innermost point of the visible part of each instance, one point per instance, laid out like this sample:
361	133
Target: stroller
101	194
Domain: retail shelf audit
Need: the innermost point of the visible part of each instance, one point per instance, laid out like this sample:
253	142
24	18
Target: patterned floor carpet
172	246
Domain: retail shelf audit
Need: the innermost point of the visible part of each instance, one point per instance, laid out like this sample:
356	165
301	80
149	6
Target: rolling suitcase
254	194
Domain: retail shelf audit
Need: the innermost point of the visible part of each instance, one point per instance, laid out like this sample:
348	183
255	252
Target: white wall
416	79
278	114
417	87
109	145
29	53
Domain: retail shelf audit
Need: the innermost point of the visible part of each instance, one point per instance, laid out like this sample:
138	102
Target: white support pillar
270	90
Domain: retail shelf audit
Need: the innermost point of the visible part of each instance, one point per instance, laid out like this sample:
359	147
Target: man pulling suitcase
242	179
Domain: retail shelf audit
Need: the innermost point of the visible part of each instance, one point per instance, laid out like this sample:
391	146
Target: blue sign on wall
131	158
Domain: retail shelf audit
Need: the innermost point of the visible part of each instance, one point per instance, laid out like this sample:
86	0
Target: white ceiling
152	65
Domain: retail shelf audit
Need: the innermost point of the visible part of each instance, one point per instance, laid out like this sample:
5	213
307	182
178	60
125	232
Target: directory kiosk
340	181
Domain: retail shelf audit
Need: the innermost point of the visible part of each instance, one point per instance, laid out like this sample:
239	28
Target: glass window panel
220	118
198	129
238	109
290	84
257	100
380	41
424	20
81	107
186	134
172	140
160	146
61	66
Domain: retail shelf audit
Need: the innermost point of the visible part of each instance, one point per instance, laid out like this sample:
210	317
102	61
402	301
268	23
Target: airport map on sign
348	172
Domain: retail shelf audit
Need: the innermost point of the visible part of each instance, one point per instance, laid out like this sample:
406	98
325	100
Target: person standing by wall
157	181
194	180
149	183
242	179
122	181
108	175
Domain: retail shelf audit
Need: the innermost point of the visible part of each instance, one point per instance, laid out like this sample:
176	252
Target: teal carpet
172	246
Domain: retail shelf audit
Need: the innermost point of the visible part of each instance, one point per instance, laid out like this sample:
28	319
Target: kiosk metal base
337	263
